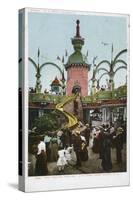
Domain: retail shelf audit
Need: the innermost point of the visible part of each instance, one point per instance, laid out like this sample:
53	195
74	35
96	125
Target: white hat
87	125
78	132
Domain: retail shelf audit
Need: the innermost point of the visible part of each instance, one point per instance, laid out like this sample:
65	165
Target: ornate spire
77	59
78	29
77	41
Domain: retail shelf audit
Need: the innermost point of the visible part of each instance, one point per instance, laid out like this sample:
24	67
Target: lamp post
38	85
38	69
63	83
113	68
93	79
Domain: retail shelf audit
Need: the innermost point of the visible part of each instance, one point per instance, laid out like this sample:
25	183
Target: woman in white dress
61	162
68	153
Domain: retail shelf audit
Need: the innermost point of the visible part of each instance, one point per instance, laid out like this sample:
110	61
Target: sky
52	34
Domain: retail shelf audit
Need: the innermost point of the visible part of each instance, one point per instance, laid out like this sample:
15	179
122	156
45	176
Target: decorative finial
77	29
77	21
112	50
38	53
63	76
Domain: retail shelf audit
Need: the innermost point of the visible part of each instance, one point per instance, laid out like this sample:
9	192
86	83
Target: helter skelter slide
72	120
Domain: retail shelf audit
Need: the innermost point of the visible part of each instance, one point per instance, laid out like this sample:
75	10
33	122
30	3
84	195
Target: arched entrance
76	89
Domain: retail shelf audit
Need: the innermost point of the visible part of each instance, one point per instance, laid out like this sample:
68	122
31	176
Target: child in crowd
61	162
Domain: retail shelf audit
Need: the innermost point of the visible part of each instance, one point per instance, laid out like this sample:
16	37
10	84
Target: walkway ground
93	165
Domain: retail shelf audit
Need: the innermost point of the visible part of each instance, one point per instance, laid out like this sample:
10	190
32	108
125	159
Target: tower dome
77	57
56	86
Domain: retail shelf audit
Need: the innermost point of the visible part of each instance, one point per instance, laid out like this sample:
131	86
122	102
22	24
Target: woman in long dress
41	159
54	149
119	144
105	153
84	151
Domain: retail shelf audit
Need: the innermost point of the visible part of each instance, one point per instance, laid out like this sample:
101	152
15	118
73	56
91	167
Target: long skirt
119	155
96	146
84	154
61	161
54	152
78	156
41	165
106	159
48	151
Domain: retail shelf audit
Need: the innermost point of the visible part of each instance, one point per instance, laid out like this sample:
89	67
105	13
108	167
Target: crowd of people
62	146
105	138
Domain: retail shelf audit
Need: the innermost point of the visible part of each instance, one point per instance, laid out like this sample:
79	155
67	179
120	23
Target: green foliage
47	122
